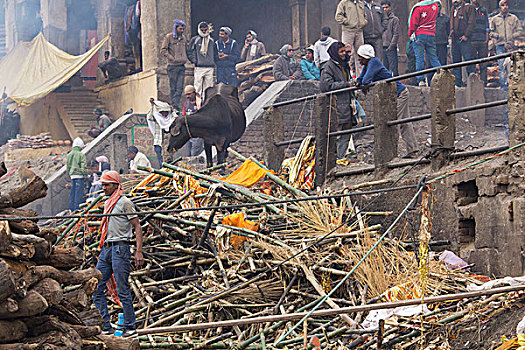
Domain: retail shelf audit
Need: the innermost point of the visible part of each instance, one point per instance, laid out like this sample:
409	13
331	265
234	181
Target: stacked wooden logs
255	77
45	300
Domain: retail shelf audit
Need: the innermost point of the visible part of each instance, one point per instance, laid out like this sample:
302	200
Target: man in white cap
159	118
374	70
227	55
76	167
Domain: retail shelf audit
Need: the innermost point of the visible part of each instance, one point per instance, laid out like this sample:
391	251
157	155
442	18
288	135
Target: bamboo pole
332	312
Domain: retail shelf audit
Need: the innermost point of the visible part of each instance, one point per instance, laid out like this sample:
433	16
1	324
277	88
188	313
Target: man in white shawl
160	117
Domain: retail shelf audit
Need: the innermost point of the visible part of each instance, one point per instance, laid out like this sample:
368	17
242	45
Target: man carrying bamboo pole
114	259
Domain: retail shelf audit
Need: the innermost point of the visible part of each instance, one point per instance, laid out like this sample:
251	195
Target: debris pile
229	249
45	299
255	77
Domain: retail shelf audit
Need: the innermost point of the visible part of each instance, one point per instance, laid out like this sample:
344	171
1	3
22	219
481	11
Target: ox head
178	134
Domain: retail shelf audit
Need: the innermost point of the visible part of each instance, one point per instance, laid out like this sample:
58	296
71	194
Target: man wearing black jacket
480	37
376	25
441	38
462	23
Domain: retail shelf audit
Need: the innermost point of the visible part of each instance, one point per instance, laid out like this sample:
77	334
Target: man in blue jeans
462	25
422	30
114	260
504	29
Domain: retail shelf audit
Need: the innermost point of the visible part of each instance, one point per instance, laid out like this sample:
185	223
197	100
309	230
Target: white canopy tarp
34	69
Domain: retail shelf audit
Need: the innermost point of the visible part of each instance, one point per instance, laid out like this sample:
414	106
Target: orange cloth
238	220
246	175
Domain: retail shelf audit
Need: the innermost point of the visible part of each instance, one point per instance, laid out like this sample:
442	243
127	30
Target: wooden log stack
255	77
44	305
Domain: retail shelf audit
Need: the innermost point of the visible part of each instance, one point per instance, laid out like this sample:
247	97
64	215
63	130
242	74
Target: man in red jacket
462	25
421	30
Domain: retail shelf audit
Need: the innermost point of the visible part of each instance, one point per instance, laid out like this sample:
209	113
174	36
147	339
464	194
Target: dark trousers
176	77
227	75
76	197
158	152
442	53
377	43
480	49
462	51
115	260
390	60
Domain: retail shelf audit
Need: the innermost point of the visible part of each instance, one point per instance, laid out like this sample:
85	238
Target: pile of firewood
45	300
42	140
255	77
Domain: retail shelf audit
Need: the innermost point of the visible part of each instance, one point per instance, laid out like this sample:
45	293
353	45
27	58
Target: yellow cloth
521	341
402	292
33	70
246	175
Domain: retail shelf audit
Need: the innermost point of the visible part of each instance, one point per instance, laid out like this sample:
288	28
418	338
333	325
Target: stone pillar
313	22
386	137
119	161
54	21
10	25
325	146
516	96
298	23
443	98
157	18
475	95
273	131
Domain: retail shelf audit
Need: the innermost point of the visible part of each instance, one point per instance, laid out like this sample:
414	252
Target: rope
459	170
296	126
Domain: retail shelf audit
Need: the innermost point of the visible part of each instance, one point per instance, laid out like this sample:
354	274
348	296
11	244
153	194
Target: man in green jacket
76	167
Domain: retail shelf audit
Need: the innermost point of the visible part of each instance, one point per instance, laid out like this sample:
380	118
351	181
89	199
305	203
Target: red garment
109	177
423	20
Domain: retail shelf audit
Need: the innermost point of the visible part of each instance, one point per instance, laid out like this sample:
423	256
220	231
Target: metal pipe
335	133
399	77
476	107
409	120
401	121
478	152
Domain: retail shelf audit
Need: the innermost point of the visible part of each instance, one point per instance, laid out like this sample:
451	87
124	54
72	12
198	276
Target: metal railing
396	78
401	121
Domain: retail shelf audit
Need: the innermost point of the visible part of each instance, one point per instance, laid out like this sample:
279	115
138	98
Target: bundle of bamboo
226	277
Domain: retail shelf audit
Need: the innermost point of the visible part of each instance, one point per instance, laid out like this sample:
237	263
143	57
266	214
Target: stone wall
132	91
113	143
481	211
298	117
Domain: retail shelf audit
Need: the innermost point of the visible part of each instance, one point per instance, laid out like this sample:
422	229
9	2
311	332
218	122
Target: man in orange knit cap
116	234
